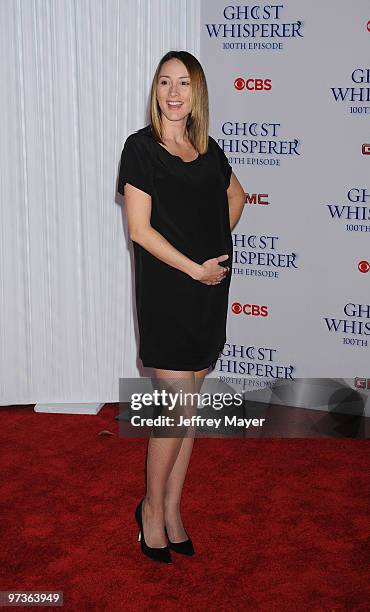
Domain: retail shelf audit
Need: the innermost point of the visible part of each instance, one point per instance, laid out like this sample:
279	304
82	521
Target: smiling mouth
174	105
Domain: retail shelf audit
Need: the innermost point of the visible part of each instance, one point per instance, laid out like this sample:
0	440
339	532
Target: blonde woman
182	200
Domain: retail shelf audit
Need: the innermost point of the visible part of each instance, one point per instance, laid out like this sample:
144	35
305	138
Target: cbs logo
252	84
253	310
363	266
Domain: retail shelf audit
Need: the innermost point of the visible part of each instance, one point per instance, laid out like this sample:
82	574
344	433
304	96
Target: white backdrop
75	78
274	74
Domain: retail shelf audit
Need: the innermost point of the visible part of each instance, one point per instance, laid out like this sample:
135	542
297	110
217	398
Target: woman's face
174	90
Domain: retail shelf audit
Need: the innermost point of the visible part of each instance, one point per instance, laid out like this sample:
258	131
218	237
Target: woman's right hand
213	273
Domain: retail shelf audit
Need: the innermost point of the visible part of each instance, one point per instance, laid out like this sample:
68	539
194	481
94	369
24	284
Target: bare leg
161	456
175	482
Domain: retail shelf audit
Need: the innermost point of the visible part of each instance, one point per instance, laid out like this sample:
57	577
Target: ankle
153	508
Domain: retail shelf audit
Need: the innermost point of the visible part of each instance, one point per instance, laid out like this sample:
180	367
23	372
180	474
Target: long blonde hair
198	120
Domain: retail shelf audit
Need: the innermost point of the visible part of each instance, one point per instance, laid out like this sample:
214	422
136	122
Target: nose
173	89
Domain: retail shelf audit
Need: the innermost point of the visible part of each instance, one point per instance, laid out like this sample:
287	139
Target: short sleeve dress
182	321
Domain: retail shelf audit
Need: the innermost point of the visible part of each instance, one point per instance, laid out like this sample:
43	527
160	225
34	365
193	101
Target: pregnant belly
199	244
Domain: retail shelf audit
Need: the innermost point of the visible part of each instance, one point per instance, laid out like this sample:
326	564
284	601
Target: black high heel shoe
157	554
184	548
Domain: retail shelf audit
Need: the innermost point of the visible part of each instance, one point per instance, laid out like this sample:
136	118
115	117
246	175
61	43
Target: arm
236	198
138	206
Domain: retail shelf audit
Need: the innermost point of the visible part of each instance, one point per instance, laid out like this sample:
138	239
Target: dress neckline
178	156
192	161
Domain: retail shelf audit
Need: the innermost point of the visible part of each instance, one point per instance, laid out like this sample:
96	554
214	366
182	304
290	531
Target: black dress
182	322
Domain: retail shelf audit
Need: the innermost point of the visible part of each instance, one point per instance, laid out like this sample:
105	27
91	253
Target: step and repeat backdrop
289	88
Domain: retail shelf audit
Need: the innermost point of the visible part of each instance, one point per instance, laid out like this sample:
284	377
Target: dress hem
187	368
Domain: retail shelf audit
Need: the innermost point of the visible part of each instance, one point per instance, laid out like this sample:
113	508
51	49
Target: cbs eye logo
253	310
252	84
364	266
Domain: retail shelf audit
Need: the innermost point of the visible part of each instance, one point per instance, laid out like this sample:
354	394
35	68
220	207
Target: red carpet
278	525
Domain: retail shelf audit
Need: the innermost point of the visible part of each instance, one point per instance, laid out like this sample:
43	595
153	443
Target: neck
174	131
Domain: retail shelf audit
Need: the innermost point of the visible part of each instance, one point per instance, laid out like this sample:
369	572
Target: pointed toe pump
162	554
184	548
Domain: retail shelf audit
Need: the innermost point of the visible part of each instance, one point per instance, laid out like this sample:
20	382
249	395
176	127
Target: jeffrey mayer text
195	421
234	421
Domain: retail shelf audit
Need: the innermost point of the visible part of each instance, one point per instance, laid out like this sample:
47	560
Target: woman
182	199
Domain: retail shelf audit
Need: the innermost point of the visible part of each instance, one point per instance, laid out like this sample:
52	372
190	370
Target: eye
162	82
185	83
